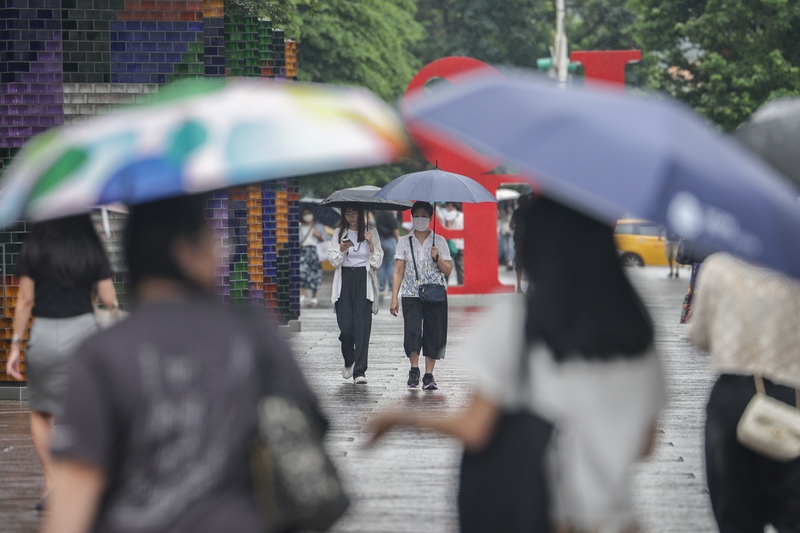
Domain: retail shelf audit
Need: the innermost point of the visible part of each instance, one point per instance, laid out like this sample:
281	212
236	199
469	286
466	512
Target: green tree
369	44
511	32
722	57
600	25
366	43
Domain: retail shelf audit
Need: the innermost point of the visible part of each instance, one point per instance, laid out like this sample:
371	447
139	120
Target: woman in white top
357	255
593	373
748	317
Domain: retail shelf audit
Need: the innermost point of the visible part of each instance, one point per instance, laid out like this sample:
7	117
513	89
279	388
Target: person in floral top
425	324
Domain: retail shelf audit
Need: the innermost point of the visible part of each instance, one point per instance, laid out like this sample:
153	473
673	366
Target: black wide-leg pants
747	489
354	316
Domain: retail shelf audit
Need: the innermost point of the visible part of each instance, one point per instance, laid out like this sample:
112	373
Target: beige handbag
769	426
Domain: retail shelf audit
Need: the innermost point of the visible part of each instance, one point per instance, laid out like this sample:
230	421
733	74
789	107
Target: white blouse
602	411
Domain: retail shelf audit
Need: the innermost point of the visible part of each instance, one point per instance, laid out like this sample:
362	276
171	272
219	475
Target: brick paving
408	482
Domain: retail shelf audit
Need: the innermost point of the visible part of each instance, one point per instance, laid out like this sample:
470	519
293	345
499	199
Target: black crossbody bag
503	487
429	293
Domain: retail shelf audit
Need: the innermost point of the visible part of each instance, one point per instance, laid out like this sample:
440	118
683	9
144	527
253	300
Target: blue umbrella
605	154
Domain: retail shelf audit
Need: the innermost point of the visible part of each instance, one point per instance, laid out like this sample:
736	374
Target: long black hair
67	247
344	225
153	228
583	305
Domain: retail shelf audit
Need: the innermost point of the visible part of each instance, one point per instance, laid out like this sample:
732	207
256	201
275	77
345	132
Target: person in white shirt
454	219
422	258
357	255
593	374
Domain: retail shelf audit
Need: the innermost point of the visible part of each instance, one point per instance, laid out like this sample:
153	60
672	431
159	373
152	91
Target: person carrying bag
748	318
420	280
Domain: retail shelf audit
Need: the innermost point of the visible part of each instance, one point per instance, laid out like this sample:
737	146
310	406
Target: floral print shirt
427	269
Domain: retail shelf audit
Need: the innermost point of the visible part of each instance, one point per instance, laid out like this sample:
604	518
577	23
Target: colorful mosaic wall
63	61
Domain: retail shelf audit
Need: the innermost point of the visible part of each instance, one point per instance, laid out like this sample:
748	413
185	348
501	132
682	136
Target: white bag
322	250
770	427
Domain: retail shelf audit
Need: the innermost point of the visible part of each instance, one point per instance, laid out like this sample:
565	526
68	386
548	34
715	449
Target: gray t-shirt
164	403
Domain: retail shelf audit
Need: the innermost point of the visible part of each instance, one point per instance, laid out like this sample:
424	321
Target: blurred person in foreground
161	407
61	265
593	371
422	258
748	318
356	254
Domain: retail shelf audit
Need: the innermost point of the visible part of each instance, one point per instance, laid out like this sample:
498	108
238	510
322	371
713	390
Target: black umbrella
323	213
773	132
363	196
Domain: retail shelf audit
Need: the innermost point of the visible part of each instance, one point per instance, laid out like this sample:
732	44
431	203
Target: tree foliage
600	25
366	43
511	32
722	57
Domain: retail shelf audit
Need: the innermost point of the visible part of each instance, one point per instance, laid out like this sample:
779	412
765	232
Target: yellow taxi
639	242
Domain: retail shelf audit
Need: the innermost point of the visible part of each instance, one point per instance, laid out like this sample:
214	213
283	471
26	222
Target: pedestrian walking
453	219
576	352
311	235
522	203
506	236
161	410
671	242
748	318
357	255
386	224
423	258
62	263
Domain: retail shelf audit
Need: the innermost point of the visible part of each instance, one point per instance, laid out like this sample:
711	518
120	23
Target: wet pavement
408	483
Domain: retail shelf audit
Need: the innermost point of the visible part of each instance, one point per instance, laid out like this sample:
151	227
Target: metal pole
562	57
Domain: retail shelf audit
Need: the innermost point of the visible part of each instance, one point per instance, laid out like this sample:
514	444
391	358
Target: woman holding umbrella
357	255
422	258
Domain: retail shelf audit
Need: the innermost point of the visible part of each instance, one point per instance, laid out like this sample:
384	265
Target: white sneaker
314	302
347	371
302	299
360	380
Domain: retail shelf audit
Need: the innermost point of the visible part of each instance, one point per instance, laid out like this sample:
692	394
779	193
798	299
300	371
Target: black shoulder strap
413	257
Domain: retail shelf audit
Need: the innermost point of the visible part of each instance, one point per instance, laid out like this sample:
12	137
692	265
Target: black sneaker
428	383
413	378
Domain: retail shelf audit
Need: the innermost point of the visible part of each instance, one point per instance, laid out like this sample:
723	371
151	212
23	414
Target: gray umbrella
363	196
773	132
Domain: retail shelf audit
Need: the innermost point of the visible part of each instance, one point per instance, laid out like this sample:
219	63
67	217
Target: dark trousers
354	316
747	490
424	328
458	263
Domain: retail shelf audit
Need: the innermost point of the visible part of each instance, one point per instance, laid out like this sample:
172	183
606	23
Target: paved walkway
408	483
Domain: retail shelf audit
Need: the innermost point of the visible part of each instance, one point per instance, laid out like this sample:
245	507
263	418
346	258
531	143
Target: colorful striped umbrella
199	136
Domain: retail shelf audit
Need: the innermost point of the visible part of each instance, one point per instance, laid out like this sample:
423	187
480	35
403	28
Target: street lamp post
561	56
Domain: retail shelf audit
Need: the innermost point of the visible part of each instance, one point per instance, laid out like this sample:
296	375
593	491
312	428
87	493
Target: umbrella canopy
197	137
436	186
326	215
605	153
773	132
365	197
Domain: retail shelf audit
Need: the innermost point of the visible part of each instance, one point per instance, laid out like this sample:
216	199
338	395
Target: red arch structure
480	233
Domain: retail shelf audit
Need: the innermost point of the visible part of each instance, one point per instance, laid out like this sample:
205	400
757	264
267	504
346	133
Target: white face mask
308	218
421	223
